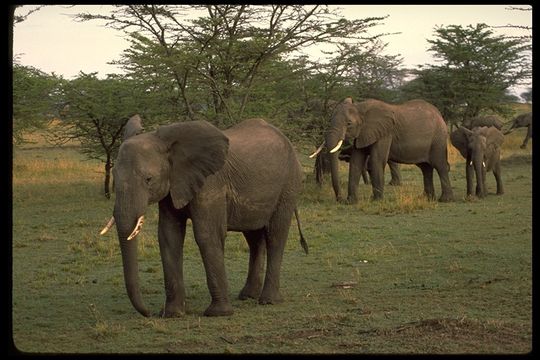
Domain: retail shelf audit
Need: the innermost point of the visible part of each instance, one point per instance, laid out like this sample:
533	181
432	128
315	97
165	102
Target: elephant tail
303	241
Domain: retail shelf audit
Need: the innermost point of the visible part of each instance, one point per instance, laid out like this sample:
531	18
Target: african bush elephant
481	147
487	120
323	165
410	133
246	178
523	120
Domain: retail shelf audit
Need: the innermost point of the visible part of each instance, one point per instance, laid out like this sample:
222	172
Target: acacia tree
94	113
360	70
221	52
477	68
34	103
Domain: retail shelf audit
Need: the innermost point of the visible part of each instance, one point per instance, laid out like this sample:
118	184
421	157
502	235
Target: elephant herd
248	179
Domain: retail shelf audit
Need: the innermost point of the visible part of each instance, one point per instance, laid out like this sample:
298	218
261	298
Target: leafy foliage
216	59
95	112
478	67
33	100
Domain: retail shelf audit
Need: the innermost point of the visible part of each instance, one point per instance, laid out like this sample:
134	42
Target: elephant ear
133	127
460	139
197	150
494	138
378	122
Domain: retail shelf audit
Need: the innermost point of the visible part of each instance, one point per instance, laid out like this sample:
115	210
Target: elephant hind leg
276	237
257	246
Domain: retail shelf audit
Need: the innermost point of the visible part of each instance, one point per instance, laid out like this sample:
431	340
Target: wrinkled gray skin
410	133
481	147
132	127
246	179
487	120
523	120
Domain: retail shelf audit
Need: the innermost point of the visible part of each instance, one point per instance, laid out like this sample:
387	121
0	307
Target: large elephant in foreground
410	133
246	178
481	147
523	120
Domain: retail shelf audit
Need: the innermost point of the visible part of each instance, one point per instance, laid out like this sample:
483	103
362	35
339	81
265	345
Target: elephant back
487	120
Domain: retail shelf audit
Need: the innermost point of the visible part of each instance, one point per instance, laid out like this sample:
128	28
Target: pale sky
53	42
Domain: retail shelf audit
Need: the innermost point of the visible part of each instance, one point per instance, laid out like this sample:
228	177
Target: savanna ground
402	275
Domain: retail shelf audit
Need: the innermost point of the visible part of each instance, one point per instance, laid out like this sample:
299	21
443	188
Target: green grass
427	277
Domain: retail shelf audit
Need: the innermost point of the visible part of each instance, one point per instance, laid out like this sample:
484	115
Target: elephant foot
377	197
446	198
219	309
171	314
500	192
271	299
394	183
248	293
171	311
523	146
351	200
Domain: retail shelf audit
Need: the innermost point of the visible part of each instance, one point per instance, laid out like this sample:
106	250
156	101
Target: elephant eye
148	179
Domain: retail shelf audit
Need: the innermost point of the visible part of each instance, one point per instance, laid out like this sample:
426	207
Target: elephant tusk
317	151
138	228
107	227
470	163
484	163
340	142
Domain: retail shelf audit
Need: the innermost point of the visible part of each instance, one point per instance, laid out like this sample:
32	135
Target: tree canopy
475	72
34	102
95	112
216	59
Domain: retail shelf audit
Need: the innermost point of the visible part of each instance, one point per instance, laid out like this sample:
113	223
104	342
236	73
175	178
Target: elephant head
132	127
480	147
175	159
523	120
360	124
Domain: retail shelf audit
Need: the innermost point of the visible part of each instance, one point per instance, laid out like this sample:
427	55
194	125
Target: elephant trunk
127	221
131	274
480	169
332	140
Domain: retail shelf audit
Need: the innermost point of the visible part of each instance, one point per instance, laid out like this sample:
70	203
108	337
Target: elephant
481	147
523	120
245	179
487	120
411	133
323	165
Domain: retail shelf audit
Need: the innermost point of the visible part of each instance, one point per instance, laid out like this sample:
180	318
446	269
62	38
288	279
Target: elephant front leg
429	188
210	230
378	158
357	164
171	233
257	243
469	174
498	179
527	137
